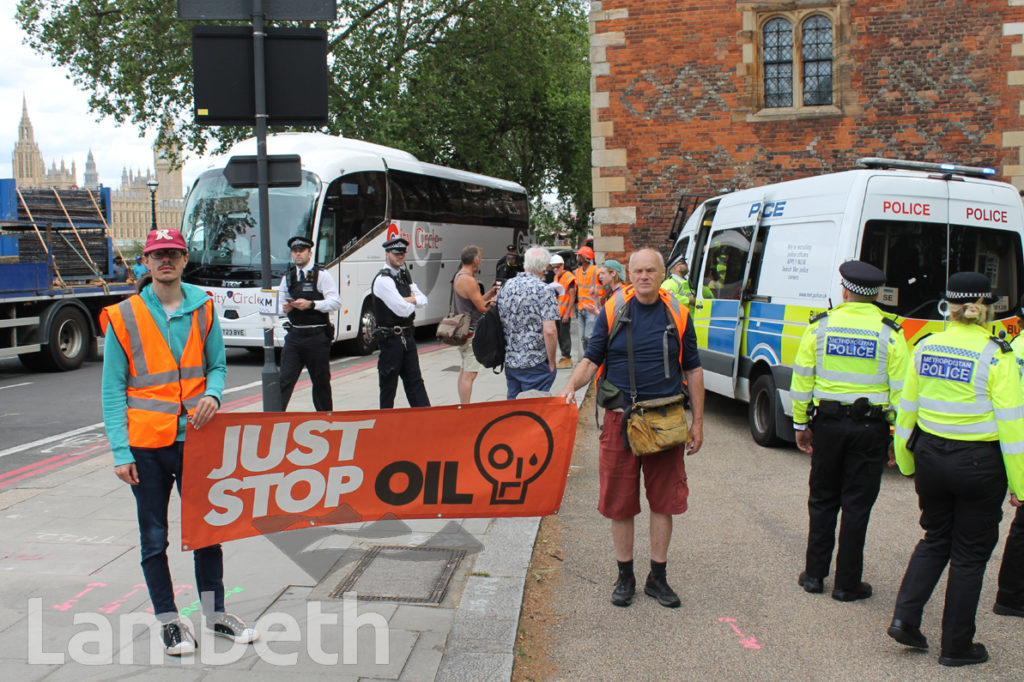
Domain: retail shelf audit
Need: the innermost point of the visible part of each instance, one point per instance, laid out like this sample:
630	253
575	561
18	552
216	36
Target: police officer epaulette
817	317
892	324
918	342
1003	345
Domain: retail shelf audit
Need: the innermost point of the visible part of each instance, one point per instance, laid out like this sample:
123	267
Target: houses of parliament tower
130	203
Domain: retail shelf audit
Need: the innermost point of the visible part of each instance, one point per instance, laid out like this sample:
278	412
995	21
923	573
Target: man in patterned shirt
528	311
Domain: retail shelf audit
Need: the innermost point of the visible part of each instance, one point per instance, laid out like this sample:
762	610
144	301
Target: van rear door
919	230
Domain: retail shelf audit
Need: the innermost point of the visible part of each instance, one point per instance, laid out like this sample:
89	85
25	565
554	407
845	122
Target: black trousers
1011	572
564	337
846	471
398	358
960	489
309	348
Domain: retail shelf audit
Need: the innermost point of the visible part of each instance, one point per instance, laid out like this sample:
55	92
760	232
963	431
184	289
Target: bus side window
354	206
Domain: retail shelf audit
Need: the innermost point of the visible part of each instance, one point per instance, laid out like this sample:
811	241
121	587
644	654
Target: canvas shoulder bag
454	329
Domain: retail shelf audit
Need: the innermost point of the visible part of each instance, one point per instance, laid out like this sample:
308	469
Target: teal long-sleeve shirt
175	331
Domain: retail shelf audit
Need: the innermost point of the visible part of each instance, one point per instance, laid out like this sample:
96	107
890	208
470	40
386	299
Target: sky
64	127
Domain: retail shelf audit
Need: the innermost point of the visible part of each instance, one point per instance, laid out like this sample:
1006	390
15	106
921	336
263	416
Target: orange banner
248	474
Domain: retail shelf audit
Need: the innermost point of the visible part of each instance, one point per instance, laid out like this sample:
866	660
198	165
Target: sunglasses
167	254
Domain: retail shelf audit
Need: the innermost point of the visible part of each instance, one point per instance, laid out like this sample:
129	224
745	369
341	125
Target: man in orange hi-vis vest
588	294
565	293
163	369
664	354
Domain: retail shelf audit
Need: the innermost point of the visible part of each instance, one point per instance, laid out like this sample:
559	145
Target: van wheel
364	344
761	411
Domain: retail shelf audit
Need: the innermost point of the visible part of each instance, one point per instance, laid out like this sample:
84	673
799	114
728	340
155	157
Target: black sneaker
659	589
178	641
973	654
861	591
231	627
625	588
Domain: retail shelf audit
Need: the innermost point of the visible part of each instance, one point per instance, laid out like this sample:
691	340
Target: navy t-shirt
650	322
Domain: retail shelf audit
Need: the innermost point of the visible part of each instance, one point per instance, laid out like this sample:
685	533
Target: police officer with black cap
509	266
847	377
395	299
307	295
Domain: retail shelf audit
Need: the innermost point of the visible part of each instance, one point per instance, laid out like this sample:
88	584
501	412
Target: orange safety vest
158	385
586	286
563	301
614	306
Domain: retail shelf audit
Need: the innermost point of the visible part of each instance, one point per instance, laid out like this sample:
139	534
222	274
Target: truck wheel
68	341
364	344
761	411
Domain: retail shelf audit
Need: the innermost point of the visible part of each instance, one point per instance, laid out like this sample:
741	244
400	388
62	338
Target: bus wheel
761	411
364	344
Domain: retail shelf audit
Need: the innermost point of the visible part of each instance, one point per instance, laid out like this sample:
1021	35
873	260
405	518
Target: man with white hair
528	312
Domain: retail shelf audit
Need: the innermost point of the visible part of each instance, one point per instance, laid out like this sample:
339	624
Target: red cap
165	238
586	252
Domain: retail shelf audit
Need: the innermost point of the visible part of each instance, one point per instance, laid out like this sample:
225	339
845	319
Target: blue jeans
159	469
537	378
587	320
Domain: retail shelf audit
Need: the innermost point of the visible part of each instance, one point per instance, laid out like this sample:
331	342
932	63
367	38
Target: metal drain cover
415	575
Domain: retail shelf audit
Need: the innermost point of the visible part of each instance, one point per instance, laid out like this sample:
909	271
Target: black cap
512	248
300	241
861	278
396	245
968	287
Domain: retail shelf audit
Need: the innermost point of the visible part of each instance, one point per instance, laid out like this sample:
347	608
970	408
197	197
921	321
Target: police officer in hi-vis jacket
960	433
848	373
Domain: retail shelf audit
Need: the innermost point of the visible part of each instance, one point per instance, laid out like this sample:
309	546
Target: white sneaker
178	640
231	627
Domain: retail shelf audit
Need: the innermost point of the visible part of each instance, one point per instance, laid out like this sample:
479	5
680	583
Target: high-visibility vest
850	352
158	385
964	385
614	307
566	279
678	287
586	286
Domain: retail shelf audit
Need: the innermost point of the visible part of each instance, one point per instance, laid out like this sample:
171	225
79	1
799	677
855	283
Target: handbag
652	426
454	328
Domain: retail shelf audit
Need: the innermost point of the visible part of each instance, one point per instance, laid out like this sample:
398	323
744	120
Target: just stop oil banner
248	474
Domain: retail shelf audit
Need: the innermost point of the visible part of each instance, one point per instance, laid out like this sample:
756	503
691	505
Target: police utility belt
859	410
387	332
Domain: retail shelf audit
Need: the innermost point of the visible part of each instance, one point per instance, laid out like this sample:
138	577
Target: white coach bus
354	196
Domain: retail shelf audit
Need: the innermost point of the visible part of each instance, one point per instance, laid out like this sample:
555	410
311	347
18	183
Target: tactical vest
305	288
385	316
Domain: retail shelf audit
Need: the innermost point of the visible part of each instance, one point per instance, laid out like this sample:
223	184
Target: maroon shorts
664	476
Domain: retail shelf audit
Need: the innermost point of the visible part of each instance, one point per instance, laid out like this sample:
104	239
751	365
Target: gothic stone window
797	75
796	52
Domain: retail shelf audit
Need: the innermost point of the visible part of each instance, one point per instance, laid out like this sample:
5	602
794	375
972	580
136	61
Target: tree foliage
493	86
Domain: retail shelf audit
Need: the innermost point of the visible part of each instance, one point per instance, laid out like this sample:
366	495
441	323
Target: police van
763	261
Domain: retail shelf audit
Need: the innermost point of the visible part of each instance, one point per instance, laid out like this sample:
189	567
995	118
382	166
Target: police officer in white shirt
307	294
395	299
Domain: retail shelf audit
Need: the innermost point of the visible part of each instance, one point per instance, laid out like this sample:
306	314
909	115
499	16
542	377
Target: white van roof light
972	171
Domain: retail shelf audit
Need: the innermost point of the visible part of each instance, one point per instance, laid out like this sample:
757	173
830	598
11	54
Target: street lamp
152	185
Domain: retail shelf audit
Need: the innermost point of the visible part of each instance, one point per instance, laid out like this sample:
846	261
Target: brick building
707	95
